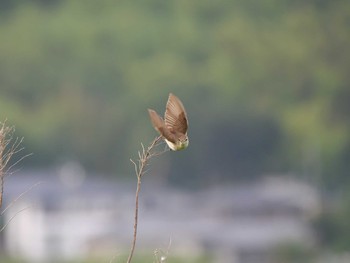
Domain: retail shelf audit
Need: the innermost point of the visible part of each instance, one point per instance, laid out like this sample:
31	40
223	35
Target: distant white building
70	216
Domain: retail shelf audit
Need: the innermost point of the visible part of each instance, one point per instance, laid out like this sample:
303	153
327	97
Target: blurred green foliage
332	226
293	253
265	83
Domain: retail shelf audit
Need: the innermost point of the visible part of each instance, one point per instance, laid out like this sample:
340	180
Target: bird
175	124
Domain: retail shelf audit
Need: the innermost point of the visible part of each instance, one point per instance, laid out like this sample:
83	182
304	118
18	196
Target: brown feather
175	115
159	125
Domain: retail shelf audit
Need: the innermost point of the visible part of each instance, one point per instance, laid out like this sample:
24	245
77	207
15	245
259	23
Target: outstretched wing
158	124
175	115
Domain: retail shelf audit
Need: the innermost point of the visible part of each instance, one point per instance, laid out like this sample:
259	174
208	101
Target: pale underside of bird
175	124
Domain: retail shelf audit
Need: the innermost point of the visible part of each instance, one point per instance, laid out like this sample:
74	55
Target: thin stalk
144	158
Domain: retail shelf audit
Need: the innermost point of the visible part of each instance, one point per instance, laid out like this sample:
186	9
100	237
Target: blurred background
266	87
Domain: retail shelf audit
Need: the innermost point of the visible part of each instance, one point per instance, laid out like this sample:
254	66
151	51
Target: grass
136	259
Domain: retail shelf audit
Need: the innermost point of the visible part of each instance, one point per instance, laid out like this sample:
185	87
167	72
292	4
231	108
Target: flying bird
175	124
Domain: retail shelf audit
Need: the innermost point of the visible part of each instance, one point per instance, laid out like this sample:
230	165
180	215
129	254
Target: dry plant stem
1	187
8	147
144	157
4	156
2	168
12	203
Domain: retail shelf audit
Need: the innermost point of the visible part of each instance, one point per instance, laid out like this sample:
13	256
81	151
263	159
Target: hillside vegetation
265	84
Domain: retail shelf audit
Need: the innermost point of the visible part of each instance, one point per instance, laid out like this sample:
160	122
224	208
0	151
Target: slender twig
113	258
18	198
162	258
2	168
144	156
135	219
12	217
9	146
13	202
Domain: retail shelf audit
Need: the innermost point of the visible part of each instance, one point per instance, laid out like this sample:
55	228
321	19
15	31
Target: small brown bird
175	124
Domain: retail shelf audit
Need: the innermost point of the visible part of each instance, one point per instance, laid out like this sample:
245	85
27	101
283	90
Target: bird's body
175	124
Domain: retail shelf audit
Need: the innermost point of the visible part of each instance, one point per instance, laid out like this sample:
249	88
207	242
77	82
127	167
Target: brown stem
1	187
2	166
9	146
136	219
144	157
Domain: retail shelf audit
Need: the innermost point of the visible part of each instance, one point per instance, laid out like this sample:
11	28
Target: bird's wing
175	115
158	124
